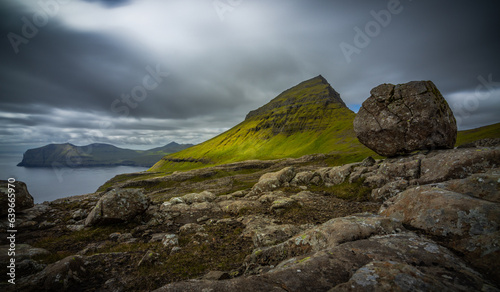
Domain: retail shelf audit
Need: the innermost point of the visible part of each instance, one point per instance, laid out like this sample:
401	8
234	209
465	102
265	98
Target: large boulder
273	180
23	198
399	119
118	206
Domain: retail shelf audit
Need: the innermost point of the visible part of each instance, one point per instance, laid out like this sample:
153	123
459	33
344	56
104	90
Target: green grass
298	122
468	136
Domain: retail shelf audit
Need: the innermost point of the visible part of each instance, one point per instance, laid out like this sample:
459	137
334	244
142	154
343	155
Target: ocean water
48	184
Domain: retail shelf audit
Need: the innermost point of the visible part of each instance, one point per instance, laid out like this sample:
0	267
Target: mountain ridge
94	155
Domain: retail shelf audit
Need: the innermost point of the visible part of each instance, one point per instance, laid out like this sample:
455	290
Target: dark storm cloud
82	76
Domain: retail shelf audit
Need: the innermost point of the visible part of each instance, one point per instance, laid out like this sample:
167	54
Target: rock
273	234
21	197
484	186
198	197
368	161
170	240
389	190
413	260
457	163
157	237
404	168
183	213
75	227
399	119
28	267
466	224
176	200
191	228
79	214
216	276
118	206
273	180
358	173
376	180
175	249
239	206
326	235
22	252
304	196
441	212
284	203
391	276
238	194
338	174
394	175
269	197
265	232
306	178
65	275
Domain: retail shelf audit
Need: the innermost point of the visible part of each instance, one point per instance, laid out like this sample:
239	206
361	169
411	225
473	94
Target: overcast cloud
142	73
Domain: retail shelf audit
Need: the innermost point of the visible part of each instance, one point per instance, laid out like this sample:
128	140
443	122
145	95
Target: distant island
95	155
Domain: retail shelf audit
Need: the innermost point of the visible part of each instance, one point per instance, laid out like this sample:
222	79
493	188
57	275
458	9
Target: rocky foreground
424	222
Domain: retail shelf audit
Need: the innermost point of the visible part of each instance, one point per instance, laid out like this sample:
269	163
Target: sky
142	73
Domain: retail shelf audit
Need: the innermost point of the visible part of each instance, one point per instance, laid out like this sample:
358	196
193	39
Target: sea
48	184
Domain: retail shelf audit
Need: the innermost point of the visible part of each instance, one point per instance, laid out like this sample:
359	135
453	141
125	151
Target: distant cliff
94	155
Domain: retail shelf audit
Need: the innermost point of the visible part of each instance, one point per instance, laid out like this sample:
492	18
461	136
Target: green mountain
308	118
69	155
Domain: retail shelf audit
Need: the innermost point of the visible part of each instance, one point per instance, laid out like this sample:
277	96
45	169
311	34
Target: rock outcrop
399	119
469	222
400	262
427	221
272	181
23	199
118	206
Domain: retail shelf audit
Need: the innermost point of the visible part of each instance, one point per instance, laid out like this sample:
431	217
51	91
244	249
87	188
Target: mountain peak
316	91
305	119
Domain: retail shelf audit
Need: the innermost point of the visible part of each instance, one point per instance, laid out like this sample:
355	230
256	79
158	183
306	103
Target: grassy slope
299	121
491	131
